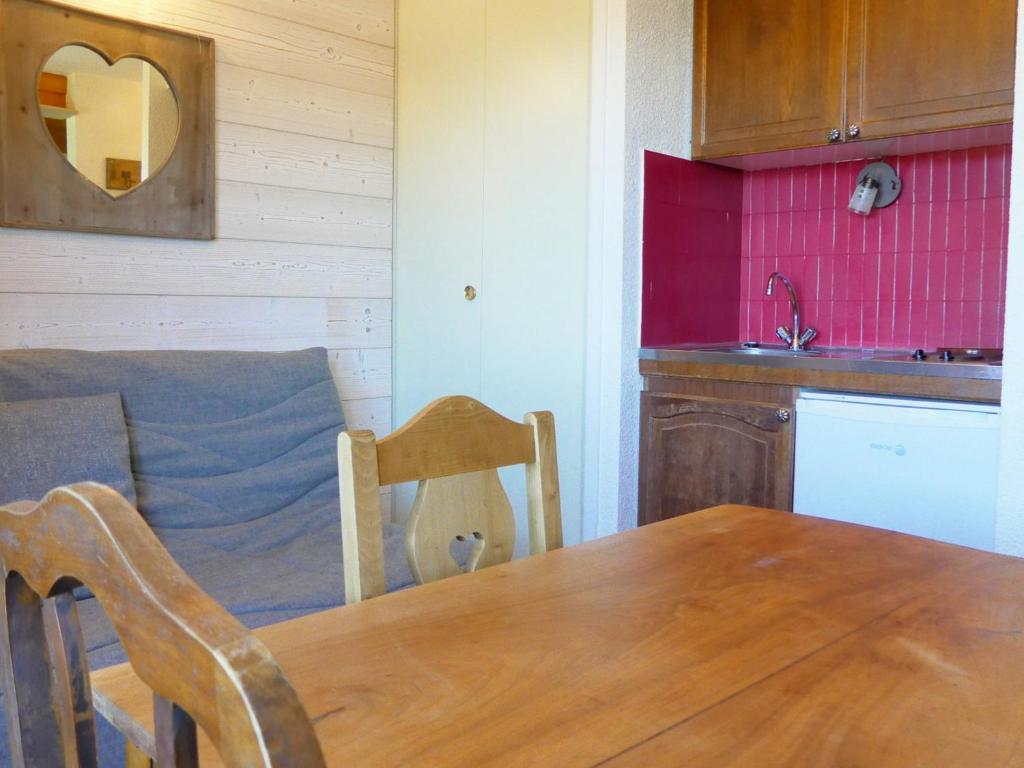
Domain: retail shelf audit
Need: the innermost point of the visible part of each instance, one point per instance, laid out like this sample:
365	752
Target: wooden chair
453	447
199	661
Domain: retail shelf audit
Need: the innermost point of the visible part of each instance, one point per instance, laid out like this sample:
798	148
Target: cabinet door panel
439	163
701	453
492	159
930	65
439	208
767	74
535	228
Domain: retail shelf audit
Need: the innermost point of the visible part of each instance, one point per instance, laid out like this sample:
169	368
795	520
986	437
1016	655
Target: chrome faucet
793	338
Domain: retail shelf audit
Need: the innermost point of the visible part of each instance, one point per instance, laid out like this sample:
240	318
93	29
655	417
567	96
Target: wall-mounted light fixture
877	186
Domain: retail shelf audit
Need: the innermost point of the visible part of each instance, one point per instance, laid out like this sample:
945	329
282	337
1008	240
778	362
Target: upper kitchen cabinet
767	74
917	66
788	74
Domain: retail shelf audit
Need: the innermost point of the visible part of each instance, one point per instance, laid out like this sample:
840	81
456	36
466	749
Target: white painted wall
1010	520
659	74
603	380
640	99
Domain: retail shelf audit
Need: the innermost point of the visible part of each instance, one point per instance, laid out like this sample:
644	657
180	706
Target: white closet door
492	190
439	200
535	225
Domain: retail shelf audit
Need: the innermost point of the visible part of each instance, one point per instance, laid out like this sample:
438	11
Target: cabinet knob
834	135
853	131
783	415
470	293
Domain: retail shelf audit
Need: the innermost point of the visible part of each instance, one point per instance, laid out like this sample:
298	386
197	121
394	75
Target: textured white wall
659	75
1010	522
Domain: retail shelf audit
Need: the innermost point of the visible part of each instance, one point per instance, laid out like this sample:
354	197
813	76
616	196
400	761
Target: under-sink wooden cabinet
785	74
699	452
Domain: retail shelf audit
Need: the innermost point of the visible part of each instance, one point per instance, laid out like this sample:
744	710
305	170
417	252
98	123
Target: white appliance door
926	468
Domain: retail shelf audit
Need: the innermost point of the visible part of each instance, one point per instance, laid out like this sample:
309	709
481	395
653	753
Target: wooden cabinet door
768	75
697	454
928	65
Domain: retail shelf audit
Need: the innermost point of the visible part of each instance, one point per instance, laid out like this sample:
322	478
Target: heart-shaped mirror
116	124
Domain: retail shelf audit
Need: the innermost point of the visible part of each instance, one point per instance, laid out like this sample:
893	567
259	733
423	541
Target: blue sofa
232	462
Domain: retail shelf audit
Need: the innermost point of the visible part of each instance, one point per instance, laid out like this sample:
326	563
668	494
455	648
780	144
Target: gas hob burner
987	356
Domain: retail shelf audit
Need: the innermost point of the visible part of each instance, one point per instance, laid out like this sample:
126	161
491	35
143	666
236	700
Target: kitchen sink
768	351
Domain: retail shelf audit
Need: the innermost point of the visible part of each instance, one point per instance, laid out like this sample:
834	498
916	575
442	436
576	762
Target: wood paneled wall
305	130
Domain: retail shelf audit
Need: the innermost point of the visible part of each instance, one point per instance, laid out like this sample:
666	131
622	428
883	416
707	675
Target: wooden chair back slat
453	447
473	508
362	520
452	436
543	495
180	642
175	734
34	731
70	679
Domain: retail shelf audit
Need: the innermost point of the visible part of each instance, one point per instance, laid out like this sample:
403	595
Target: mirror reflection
116	124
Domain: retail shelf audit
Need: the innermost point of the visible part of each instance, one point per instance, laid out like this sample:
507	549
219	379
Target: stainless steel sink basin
768	351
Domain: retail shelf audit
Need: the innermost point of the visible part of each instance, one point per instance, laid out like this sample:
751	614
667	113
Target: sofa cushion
217	438
59	441
235	464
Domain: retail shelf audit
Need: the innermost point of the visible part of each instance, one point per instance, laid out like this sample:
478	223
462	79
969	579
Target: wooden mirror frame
40	189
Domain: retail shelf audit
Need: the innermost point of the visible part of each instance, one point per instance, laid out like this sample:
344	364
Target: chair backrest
203	666
453	447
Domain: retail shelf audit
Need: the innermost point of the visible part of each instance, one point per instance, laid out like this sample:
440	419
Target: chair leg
135	757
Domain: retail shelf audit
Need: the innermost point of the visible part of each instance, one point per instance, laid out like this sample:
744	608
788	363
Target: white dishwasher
923	467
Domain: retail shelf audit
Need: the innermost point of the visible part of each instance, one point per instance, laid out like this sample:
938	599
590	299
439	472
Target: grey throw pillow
49	443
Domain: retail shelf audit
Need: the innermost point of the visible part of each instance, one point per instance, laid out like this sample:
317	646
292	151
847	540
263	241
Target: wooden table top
730	637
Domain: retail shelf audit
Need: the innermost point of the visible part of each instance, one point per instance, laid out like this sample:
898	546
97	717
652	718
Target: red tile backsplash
928	271
692	239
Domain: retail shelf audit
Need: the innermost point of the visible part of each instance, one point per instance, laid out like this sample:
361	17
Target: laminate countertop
873	371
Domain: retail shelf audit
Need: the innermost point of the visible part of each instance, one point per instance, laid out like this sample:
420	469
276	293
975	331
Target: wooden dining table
729	637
